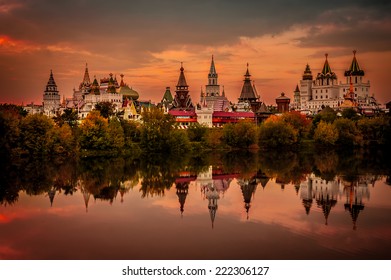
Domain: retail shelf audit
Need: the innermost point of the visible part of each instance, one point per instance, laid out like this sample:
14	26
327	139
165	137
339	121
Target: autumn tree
94	132
275	132
105	108
156	130
240	135
116	134
326	133
298	121
348	134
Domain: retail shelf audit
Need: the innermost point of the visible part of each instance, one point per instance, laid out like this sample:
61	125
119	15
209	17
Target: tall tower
249	93
51	98
85	85
306	88
182	98
355	76
212	88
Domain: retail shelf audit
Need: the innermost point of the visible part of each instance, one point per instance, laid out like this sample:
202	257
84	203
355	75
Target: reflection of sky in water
275	224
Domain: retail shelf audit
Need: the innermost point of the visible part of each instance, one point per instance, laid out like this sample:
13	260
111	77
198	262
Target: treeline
105	133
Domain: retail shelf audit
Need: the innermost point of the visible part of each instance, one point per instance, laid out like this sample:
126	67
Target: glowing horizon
147	41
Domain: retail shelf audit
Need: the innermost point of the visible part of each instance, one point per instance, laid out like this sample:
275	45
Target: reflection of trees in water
326	164
105	178
286	166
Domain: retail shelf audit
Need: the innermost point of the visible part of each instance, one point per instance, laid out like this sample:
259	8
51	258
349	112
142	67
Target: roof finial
182	66
354	52
326	55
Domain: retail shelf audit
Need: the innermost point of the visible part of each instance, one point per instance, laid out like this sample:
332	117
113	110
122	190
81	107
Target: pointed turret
307	73
95	87
51	86
326	66
247	93
182	189
182	84
86	79
182	100
354	69
212	71
167	97
51	98
213	196
326	71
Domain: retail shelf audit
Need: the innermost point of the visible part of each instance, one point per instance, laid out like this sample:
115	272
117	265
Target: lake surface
281	205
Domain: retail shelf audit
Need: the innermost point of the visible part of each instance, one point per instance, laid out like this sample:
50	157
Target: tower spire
354	69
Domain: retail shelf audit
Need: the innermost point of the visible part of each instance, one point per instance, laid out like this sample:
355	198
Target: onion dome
126	91
354	69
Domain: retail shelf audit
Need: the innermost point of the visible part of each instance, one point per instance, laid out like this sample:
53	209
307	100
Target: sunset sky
146	41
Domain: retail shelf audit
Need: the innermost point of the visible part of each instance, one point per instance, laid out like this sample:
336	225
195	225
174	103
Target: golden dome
128	92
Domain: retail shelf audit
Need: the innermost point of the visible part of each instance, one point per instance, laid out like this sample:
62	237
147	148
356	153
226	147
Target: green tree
350	113
213	138
196	132
374	130
94	132
69	116
41	137
240	135
10	119
156	130
326	133
105	108
276	133
132	130
178	142
348	134
116	134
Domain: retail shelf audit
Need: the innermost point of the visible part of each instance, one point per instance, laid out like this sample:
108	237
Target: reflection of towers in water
52	194
213	196
326	194
86	194
306	194
212	184
248	188
182	189
355	193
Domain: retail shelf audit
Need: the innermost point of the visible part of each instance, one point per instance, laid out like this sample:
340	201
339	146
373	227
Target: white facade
324	90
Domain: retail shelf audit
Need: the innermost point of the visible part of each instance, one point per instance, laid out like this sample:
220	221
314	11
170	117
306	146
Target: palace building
314	94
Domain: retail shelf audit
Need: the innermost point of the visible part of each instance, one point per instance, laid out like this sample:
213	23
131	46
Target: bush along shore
100	134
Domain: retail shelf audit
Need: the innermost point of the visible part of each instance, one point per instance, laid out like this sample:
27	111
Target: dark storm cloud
155	25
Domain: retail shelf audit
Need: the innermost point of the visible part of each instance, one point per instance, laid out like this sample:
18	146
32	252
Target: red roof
234	114
177	113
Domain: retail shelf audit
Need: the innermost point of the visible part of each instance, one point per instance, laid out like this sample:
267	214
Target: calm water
235	206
